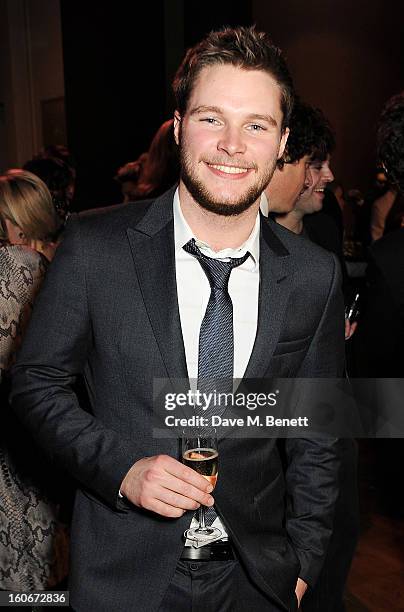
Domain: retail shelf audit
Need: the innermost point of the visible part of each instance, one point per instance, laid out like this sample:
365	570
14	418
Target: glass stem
201	517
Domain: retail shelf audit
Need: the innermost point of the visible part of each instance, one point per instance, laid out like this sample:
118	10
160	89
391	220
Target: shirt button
194	566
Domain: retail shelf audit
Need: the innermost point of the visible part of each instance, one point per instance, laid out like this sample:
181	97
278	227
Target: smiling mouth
229	169
321	190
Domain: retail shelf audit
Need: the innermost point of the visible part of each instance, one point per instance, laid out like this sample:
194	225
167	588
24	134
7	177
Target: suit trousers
217	586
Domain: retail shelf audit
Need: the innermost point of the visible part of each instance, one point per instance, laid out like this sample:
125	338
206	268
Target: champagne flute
201	454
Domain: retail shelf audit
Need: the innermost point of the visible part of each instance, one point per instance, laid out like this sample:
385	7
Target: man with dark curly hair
321	142
312	130
310	142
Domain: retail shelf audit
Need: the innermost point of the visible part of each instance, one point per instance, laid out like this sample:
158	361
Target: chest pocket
292	346
287	358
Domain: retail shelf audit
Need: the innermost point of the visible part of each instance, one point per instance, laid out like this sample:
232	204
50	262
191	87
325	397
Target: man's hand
165	486
350	329
301	588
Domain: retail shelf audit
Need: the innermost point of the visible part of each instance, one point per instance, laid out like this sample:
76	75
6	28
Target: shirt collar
264	204
183	234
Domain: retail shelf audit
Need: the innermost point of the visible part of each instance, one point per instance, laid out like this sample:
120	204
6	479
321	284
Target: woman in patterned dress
33	541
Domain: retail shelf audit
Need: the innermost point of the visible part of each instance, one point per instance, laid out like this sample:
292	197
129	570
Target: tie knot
217	271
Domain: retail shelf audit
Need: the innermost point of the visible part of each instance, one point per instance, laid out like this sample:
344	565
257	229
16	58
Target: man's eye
210	120
254	127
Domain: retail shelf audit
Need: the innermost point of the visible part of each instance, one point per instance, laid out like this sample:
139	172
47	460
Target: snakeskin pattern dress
33	541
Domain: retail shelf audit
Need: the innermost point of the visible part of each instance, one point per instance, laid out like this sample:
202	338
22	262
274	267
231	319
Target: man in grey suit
124	303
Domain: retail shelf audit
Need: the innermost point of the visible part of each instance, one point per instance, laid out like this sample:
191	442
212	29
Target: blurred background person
381	342
28	216
161	168
128	177
59	179
58	151
33	542
390	138
322	145
307	216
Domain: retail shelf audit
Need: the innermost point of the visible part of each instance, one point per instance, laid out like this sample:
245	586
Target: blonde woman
33	542
28	230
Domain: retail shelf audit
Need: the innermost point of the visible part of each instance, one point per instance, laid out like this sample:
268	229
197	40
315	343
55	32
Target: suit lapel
275	285
152	245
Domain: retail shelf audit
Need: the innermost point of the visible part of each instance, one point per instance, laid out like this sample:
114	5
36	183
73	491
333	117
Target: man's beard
206	199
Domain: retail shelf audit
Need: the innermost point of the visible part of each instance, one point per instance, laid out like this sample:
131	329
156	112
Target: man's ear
177	125
283	141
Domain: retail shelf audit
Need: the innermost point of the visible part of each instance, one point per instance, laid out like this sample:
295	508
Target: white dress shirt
264	204
193	291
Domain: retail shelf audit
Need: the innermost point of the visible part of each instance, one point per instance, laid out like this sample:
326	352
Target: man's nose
328	175
231	141
308	179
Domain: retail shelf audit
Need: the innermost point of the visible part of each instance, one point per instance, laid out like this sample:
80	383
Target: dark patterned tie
216	338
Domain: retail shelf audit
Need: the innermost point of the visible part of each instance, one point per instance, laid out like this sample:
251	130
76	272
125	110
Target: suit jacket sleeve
313	464
54	352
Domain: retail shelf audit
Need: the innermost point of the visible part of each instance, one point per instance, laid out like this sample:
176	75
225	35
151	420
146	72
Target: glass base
198	534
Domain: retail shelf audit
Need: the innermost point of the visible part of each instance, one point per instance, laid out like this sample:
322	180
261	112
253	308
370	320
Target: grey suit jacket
109	309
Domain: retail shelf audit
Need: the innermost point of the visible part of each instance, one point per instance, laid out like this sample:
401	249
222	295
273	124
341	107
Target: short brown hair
26	201
242	47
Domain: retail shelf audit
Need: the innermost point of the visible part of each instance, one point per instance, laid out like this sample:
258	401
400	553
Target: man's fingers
350	329
176	485
164	509
157	481
177	501
183	472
